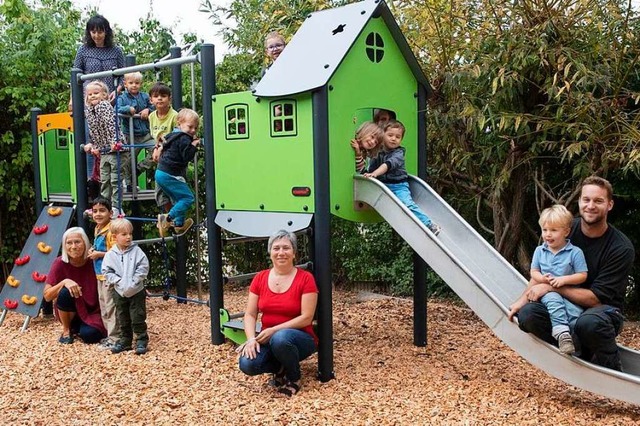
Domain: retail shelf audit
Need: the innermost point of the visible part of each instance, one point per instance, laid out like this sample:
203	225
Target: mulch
465	375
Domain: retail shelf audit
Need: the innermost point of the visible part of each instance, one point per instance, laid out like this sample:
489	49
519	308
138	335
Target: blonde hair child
366	144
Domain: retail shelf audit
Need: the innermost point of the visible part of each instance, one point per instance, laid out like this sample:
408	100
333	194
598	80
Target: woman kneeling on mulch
287	297
72	282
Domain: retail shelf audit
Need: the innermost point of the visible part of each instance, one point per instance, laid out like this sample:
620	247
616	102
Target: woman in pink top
287	298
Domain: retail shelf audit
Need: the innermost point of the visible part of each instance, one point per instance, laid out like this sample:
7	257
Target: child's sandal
290	388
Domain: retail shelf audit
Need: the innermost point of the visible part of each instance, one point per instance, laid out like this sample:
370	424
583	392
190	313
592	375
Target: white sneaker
435	228
117	213
105	344
565	343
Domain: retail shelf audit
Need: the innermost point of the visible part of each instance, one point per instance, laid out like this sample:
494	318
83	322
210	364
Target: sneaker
116	213
185	227
163	224
141	348
119	347
106	344
565	343
435	228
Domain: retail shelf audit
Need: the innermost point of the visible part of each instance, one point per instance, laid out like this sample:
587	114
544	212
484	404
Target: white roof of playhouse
318	47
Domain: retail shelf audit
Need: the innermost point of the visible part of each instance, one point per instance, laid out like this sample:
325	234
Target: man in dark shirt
609	255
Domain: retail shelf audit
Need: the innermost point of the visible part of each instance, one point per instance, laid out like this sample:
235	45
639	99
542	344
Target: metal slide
488	284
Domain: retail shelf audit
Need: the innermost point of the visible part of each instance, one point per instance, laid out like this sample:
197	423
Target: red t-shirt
277	308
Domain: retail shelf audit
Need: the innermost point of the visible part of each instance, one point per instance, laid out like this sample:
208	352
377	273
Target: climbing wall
22	292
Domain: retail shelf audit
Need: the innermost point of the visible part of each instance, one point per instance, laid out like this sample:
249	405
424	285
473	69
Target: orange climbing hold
54	211
29	300
12	281
44	248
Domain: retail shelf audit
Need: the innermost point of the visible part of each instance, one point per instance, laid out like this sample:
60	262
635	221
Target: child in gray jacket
126	267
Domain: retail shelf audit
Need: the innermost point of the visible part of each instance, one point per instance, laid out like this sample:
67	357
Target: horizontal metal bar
240	240
154	66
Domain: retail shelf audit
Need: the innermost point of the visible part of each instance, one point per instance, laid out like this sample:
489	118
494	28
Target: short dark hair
102	201
160	88
98	22
601	182
394	124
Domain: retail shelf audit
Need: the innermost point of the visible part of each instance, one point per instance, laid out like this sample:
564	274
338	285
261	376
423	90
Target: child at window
178	151
366	144
383	116
101	121
388	166
557	263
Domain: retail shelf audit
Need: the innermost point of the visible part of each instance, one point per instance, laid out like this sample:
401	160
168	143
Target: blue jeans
402	191
285	349
179	193
563	313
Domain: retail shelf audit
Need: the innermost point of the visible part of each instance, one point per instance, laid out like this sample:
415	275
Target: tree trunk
508	212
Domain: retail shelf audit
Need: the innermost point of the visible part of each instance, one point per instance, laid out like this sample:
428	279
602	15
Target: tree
31	37
530	97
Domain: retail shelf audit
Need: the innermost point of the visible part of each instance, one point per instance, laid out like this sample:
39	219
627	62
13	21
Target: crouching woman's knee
250	367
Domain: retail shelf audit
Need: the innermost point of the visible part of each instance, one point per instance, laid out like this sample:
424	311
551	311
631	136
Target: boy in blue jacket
389	168
131	102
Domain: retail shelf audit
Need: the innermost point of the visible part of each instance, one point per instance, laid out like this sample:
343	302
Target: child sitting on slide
388	167
557	262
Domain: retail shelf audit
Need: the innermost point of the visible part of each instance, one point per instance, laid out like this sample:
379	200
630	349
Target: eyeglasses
275	46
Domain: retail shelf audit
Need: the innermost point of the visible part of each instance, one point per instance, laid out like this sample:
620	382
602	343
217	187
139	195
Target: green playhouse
282	153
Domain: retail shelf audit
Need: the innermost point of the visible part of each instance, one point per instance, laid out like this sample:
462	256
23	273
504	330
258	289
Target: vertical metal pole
419	265
35	112
129	61
216	302
77	98
322	232
181	242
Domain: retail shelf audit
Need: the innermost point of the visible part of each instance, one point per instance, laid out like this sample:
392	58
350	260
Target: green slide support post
80	139
321	232
419	265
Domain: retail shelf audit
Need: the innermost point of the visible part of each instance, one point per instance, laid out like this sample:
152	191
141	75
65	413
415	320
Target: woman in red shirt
287	298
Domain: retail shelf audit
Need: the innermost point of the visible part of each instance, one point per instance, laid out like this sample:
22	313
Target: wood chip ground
465	376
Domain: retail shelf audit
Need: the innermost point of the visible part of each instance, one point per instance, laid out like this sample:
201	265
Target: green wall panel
255	169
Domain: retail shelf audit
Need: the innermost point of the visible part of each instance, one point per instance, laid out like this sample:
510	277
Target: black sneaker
119	347
141	348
